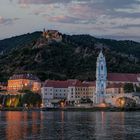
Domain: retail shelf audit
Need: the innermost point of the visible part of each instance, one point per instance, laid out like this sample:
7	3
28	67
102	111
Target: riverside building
19	82
108	87
71	91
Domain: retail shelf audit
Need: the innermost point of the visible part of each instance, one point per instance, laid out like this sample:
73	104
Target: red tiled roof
123	77
115	85
74	82
114	77
56	84
24	76
93	83
68	83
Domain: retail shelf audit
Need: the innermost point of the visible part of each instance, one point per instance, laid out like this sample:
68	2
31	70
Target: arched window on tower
102	67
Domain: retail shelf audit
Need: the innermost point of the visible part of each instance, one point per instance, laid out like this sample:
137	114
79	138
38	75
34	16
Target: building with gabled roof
124	78
70	90
19	82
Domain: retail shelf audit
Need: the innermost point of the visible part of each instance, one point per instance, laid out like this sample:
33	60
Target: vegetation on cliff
74	57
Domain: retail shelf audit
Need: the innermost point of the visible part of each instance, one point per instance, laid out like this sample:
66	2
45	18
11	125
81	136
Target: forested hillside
74	57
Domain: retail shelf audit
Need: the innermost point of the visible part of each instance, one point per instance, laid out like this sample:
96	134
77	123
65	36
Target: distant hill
7	45
74	57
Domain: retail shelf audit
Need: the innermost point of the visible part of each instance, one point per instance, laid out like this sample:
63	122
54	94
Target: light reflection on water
69	125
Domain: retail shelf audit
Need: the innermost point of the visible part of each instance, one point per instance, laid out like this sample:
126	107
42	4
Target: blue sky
117	19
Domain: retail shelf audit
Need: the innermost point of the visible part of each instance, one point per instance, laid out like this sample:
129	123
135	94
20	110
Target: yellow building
115	88
19	82
84	90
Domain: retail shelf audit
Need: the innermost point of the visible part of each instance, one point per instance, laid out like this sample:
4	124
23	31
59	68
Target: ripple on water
69	125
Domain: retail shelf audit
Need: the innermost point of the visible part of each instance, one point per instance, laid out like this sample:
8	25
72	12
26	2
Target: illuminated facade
101	79
24	82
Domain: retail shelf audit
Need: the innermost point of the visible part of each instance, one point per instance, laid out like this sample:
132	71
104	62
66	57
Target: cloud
7	21
96	17
43	1
67	19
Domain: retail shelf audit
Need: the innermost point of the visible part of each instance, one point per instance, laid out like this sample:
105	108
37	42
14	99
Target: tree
31	98
128	88
137	89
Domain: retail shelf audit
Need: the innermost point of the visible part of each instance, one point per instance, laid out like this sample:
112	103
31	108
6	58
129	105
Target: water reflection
69	125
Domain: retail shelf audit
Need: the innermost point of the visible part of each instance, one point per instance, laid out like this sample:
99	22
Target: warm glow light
121	102
62	104
102	105
26	84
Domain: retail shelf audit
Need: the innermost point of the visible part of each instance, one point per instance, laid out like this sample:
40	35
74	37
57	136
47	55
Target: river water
69	125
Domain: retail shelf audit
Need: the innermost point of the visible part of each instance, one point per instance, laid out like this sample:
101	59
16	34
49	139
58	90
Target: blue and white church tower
101	79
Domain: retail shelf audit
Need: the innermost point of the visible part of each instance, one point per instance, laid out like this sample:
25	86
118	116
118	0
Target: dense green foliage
10	100
31	99
137	89
128	88
74	57
7	45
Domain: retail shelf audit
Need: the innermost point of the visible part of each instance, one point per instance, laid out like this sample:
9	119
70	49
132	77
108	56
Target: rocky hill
73	57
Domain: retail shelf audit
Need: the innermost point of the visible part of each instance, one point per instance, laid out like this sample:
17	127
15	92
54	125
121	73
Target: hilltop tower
44	33
101	79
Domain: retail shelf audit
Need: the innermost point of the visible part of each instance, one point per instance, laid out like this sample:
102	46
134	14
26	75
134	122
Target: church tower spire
101	79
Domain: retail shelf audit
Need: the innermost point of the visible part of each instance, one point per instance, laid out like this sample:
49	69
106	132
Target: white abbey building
101	79
107	88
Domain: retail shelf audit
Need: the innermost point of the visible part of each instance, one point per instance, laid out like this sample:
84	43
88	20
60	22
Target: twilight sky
117	19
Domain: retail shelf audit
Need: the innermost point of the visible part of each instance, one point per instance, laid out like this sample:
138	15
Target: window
102	67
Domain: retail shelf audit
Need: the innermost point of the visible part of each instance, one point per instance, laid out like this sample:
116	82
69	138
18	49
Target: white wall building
71	90
108	87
